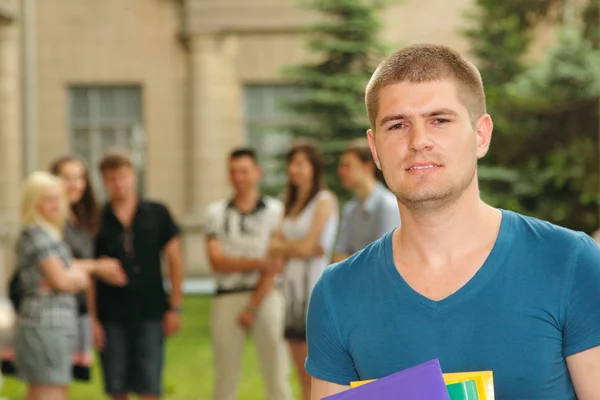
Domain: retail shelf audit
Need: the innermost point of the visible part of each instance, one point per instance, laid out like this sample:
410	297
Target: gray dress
46	323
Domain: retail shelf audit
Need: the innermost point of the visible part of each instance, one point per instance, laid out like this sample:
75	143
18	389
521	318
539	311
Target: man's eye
439	121
396	126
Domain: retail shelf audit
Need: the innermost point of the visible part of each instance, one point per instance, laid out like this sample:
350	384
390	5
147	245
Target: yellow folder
483	379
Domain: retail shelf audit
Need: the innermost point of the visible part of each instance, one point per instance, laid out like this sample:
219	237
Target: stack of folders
423	382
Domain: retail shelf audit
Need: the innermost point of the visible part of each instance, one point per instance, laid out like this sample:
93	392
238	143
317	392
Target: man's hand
171	323
110	271
99	337
273	265
246	319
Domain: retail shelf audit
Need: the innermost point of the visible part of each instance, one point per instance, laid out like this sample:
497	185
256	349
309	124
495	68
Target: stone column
10	141
216	117
216	126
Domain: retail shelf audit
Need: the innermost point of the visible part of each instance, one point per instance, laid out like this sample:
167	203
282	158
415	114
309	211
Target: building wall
116	42
10	131
253	40
192	88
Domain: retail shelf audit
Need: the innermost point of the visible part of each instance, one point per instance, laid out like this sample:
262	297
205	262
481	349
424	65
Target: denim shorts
132	360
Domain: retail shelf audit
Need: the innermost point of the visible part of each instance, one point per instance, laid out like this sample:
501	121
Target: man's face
120	183
352	171
244	174
426	144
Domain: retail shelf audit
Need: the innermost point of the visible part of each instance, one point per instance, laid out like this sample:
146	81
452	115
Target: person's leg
115	361
44	357
299	351
227	343
272	349
46	392
148	357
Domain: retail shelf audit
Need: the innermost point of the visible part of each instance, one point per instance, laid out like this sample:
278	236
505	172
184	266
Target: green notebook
466	390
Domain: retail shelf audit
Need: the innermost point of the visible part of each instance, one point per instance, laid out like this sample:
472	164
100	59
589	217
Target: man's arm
329	361
173	255
584	369
223	264
264	286
321	389
581	332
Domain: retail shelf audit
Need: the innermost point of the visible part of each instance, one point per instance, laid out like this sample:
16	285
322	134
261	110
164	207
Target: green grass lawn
189	373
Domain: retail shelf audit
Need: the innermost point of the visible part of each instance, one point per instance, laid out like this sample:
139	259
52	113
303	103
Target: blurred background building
178	82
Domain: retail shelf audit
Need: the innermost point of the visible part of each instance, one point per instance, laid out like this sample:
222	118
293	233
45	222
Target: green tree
542	161
346	46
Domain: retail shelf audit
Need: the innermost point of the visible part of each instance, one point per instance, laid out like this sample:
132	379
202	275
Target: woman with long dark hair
79	234
306	239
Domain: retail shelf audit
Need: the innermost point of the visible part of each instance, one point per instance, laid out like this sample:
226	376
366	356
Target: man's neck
434	239
365	189
246	199
125	208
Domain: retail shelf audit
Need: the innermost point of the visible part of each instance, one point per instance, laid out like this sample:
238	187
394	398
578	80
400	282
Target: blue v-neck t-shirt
534	302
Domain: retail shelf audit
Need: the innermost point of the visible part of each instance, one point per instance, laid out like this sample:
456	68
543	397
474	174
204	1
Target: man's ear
371	138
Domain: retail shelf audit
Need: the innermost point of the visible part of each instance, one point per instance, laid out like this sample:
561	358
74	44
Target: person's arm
584	369
329	362
264	286
308	246
60	279
106	269
581	325
46	253
320	389
173	255
223	264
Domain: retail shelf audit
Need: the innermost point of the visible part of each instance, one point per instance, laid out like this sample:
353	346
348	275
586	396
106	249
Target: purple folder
421	382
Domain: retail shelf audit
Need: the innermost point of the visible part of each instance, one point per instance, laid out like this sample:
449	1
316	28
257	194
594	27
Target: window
267	129
104	117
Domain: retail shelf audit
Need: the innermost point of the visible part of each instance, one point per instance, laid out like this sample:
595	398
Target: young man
476	287
130	323
374	210
238	231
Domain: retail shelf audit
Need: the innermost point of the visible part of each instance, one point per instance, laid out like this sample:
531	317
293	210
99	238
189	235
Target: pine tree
347	47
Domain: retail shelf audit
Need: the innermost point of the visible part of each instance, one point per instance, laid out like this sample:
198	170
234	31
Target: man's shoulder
272	203
357	268
154	205
350	206
561	247
535	229
216	207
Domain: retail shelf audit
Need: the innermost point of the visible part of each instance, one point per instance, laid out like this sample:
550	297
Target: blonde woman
46	321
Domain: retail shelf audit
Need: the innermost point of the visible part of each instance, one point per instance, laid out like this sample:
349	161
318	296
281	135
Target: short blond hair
34	188
426	63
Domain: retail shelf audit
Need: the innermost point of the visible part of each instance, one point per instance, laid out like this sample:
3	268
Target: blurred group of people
89	275
267	254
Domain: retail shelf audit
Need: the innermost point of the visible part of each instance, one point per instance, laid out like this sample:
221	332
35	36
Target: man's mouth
422	166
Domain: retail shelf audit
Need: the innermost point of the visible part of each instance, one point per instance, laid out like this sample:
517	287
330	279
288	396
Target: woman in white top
306	238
